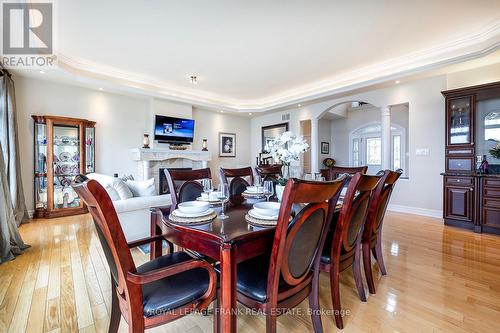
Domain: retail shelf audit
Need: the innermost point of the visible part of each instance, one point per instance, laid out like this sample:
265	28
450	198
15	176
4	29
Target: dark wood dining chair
282	279
343	243
152	294
237	181
372	232
269	171
336	171
184	185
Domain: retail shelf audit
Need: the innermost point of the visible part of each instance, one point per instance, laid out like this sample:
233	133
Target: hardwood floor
440	279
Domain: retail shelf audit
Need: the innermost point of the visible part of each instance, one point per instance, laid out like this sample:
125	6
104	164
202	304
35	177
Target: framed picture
227	144
325	147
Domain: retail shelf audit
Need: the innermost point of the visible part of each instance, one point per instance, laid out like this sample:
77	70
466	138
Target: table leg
155	248
227	303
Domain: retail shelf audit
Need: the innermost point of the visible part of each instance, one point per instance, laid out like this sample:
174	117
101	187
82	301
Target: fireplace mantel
143	154
151	160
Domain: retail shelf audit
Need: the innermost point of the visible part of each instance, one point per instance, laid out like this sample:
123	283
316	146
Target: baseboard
416	210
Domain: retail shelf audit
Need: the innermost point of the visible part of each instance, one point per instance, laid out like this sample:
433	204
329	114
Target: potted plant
285	149
495	151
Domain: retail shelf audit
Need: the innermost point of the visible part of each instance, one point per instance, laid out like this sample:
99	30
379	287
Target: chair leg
356	270
271	319
335	290
314	305
367	265
380	257
114	319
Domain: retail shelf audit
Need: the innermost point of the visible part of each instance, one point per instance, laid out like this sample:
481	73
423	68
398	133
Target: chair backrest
269	172
336	171
298	244
190	187
235	179
353	214
108	229
378	206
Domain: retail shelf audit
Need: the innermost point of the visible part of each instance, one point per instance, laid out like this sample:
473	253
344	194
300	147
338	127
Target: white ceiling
257	55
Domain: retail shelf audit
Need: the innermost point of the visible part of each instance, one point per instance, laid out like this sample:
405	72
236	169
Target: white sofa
133	213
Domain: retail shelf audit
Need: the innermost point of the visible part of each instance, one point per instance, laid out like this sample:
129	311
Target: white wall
121	122
209	124
324	135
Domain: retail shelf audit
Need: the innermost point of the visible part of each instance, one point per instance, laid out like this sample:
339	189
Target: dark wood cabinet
470	200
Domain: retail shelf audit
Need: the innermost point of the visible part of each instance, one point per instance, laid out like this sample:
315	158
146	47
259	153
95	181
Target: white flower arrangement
286	148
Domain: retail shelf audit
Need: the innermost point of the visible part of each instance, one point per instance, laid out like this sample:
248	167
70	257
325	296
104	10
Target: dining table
228	241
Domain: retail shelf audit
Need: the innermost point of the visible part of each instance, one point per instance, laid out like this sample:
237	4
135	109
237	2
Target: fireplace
163	187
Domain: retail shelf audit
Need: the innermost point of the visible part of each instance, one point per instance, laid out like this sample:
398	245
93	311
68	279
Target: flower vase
285	171
279	191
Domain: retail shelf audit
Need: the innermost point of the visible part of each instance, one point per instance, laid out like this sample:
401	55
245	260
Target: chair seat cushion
252	278
173	291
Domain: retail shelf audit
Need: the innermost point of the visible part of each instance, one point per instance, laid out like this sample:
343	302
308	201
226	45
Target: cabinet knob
471	189
458	180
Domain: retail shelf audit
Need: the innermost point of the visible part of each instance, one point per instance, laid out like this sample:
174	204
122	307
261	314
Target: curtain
13	210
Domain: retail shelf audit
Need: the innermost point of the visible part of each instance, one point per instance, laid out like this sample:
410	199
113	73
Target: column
386	136
314	145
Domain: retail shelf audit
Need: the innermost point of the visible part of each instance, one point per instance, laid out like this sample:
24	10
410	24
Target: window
492	126
396	152
366	147
374	151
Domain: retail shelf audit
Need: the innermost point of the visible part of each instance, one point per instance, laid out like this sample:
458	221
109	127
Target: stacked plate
254	191
264	214
193	212
212	199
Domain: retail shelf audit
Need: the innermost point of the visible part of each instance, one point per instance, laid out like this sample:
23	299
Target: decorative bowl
193	207
267	208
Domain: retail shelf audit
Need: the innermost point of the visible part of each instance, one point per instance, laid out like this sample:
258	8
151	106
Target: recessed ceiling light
299	105
397	82
221	111
100	89
42	72
250	113
194	79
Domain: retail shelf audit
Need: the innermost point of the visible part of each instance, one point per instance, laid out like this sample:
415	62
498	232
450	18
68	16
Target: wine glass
207	186
223	195
268	189
257	180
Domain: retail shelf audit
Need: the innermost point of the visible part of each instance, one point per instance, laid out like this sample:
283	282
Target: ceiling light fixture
299	105
100	89
194	79
398	82
250	113
42	72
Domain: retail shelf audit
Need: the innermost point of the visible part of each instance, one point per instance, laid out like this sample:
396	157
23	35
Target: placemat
192	220
260	223
212	203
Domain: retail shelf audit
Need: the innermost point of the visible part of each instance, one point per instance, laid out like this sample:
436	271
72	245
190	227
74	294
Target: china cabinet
471	197
63	148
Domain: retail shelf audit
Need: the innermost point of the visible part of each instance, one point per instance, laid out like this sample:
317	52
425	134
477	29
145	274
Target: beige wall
121	122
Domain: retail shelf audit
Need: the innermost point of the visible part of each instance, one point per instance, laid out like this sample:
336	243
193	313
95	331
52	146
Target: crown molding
469	47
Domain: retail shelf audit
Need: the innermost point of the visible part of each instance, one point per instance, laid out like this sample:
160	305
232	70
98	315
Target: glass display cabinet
63	148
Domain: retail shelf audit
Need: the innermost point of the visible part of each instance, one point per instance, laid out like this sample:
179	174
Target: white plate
254	189
267	208
256	215
178	213
193	207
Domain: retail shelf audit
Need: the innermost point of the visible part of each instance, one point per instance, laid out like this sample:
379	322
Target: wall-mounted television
174	130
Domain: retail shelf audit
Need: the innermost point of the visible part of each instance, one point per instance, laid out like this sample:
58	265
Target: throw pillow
145	188
113	194
122	189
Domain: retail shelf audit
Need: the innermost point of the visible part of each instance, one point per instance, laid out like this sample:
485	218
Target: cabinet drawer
460	164
492	182
459	181
492	192
491	217
488	202
462	151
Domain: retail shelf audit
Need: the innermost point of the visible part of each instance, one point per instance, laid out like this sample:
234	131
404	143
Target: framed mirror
271	132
